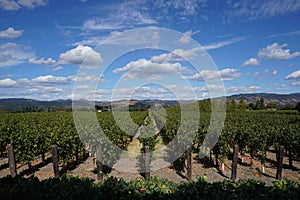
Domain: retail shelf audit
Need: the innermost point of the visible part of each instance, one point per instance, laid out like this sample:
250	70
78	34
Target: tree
251	106
242	105
271	105
298	107
233	105
260	104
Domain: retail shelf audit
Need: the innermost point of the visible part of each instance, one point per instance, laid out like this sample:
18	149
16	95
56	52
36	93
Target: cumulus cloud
42	61
294	75
41	87
52	80
143	68
81	55
7	83
18	4
227	74
10	33
13	54
251	62
276	52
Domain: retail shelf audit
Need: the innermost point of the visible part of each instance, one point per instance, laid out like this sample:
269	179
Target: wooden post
189	163
279	158
11	160
54	152
147	161
234	162
217	160
290	159
77	156
99	164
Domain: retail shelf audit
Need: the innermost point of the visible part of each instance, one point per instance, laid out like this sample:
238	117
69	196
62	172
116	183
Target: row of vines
254	132
32	134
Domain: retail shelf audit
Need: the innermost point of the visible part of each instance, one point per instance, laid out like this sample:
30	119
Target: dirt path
129	161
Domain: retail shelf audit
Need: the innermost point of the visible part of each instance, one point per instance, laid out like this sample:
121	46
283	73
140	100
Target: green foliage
68	187
297	107
254	131
33	134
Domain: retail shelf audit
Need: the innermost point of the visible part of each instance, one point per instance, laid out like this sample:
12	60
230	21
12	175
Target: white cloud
97	24
42	61
242	89
45	90
18	4
294	75
119	18
89	78
56	68
251	62
179	7
53	80
260	9
276	52
41	87
175	56
10	33
223	43
143	68
227	74
180	54
186	38
13	54
274	73
155	78
81	55
295	83
285	34
6	83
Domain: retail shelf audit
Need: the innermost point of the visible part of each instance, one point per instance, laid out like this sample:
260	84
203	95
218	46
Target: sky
148	49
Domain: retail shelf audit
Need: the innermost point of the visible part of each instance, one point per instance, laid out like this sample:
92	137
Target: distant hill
279	99
16	104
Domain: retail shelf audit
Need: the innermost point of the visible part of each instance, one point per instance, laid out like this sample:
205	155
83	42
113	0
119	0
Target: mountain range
16	104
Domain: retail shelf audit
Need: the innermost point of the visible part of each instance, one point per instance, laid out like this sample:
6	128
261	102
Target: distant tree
298	107
288	107
260	104
251	106
242	105
205	105
233	105
271	105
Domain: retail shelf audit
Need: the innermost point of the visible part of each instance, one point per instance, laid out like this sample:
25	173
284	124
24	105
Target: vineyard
257	134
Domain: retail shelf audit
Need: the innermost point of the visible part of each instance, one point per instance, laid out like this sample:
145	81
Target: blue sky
45	46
